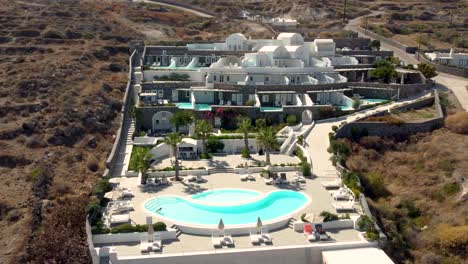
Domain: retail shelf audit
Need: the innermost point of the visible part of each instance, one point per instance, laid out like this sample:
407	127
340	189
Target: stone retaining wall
403	130
442	68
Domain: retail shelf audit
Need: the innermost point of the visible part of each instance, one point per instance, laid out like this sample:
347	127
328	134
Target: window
221	78
265	98
267	78
160	93
214	77
187	93
251	78
227	78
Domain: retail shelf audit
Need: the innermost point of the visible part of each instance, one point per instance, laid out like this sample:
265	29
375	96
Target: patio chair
309	232
298	179
127	193
216	240
227	240
255	238
277	181
266	238
320	232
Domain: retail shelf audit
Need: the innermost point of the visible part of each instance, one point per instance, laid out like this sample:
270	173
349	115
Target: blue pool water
225	195
270	109
273	205
201	107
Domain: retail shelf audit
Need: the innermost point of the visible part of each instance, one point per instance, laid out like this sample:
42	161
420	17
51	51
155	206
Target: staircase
131	129
220	170
291	222
178	231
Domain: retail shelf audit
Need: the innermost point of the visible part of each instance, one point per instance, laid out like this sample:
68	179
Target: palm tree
245	124
142	158
173	140
181	118
203	129
266	140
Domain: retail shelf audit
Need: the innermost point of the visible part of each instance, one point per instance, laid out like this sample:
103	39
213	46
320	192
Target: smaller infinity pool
372	101
201	107
226	195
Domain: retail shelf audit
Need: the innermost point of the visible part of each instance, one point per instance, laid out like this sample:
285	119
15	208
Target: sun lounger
119	219
227	240
268	181
255	238
244	177
320	232
266	238
344	206
156	244
191	178
309	232
332	184
251	177
200	179
127	193
164	181
216	240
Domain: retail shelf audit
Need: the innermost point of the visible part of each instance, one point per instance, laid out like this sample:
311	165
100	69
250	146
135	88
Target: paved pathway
458	85
195	12
125	150
318	143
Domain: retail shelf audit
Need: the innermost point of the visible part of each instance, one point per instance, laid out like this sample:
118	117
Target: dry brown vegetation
458	122
418	192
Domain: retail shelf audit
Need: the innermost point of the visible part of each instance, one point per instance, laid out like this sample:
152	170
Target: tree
356	102
245	124
427	70
173	140
266	139
203	129
260	123
181	118
142	158
375	44
384	70
291	120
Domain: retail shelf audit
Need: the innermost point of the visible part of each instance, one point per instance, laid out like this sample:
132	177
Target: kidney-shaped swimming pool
273	205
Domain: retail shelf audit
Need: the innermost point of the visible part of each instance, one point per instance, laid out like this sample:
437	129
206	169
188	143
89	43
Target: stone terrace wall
382	129
387	40
442	68
124	114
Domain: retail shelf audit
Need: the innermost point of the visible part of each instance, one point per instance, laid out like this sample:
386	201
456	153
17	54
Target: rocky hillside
63	70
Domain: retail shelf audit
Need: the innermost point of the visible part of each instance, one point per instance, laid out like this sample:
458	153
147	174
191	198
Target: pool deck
321	200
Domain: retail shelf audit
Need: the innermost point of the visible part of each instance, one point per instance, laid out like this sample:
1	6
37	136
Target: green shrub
250	102
334	128
451	188
205	156
291	120
214	145
159	226
306	169
365	223
101	187
327	216
245	153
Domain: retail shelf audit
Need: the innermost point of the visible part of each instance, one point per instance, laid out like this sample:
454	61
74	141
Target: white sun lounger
255	238
191	178
119	219
227	240
200	179
156	245
266	238
251	177
244	177
268	181
145	246
332	184
344	206
216	240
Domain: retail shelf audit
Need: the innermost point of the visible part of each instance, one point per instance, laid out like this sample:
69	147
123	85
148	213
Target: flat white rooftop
356	256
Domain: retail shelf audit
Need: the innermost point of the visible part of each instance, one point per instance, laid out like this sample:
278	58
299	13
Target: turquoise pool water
346	107
201	107
225	195
271	206
270	109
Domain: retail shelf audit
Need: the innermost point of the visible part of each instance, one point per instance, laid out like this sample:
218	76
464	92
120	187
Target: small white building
282	22
451	58
356	256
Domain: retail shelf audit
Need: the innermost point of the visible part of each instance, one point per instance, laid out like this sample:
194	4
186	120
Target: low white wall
203	231
233	146
161	150
310	253
170	234
338	224
260	169
145	141
181	173
131	173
